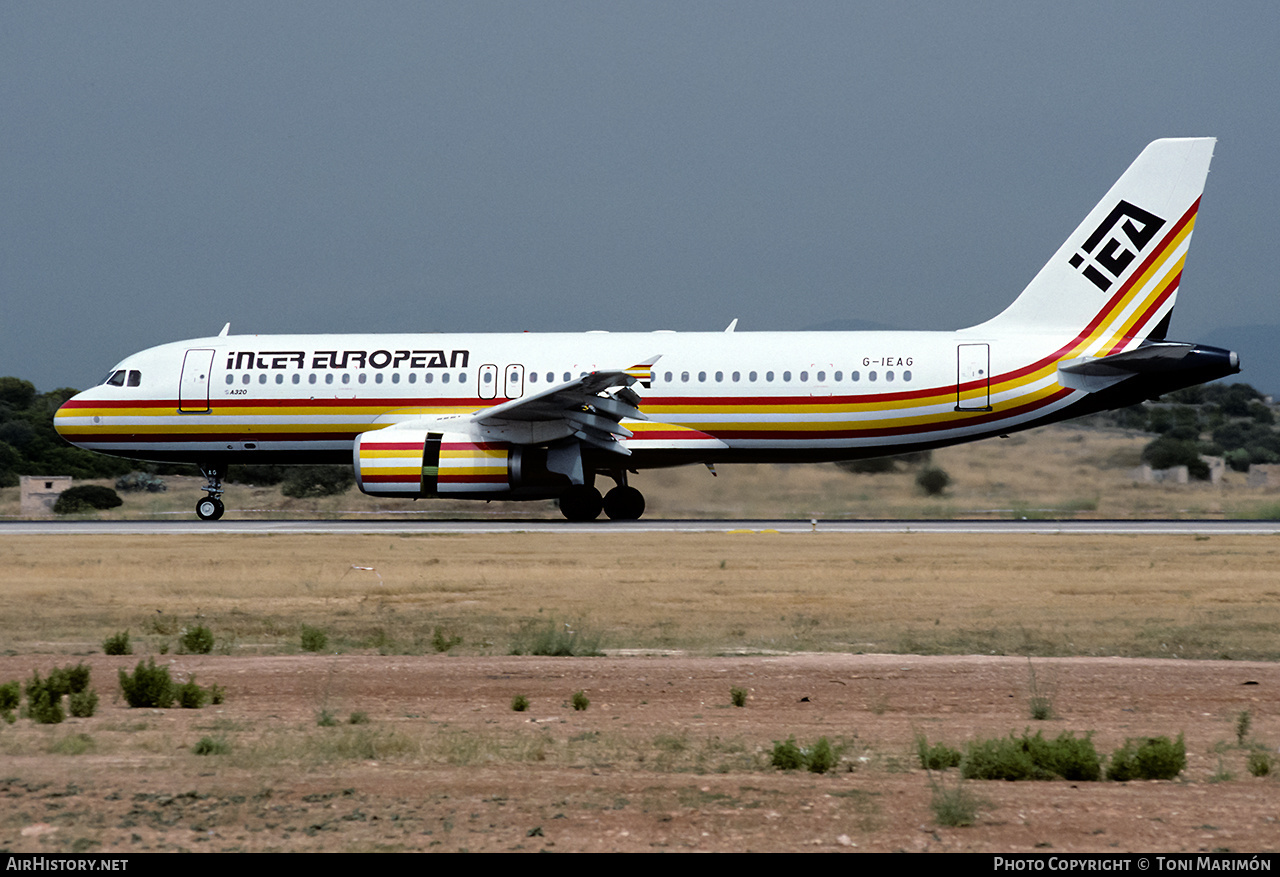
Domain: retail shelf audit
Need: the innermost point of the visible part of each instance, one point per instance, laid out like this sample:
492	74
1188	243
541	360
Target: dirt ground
660	760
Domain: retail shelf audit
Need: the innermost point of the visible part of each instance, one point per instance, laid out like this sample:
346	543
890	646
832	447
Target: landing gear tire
581	503
624	504
209	509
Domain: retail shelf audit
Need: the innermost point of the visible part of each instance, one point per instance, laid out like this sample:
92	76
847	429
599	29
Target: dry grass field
867	640
660	759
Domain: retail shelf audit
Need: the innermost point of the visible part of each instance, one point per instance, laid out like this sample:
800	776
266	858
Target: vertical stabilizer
1115	279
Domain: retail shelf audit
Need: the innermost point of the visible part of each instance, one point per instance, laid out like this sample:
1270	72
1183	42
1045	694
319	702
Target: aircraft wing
590	408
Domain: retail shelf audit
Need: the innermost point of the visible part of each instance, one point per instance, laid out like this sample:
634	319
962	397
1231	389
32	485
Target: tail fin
1114	281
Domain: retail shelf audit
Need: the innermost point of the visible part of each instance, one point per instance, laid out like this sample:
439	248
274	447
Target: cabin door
973	377
193	386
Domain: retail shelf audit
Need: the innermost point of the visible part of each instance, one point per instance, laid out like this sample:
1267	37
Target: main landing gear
211	508
582	502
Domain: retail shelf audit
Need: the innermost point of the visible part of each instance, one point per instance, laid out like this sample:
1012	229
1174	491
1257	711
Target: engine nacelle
422	463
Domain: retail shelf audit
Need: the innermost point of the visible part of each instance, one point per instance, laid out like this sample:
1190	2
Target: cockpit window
116	378
135	378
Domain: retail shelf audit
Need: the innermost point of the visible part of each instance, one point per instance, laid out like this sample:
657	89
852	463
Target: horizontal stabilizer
1092	374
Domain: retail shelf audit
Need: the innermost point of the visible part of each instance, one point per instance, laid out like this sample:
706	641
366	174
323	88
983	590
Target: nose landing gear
210	508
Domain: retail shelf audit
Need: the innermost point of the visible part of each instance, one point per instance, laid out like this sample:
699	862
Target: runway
384	526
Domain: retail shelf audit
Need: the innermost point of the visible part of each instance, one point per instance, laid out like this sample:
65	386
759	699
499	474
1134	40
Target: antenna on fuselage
225	330
732	325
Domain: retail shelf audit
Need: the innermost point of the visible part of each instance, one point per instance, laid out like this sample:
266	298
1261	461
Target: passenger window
786	377
667	377
244	379
533	377
751	376
488	378
328	379
702	377
837	376
906	375
804	376
462	377
566	377
736	377
262	378
444	378
413	378
363	377
346	378
297	379
684	377
377	377
395	377
231	379
719	377
855	376
768	376
822	376
279	379
428	378
888	376
871	376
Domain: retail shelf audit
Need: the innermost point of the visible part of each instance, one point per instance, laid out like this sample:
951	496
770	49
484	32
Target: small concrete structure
39	492
1264	475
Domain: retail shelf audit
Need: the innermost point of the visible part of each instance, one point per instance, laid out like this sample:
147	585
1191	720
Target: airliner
546	416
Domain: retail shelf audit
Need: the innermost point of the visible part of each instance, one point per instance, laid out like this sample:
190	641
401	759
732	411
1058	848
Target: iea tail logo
1105	258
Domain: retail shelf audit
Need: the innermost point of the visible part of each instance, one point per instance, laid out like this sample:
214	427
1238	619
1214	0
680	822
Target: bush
44	703
211	746
304	482
933	481
1259	763
936	757
821	757
83	704
1033	758
1153	758
954	807
10	696
313	639
148	686
196	640
141	481
358	718
86	497
787	756
519	703
190	695
580	701
216	694
738	696
118	644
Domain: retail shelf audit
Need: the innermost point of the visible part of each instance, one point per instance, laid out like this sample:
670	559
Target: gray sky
491	166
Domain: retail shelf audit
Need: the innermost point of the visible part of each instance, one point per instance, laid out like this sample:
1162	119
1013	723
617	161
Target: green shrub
579	701
787	756
196	640
326	719
216	694
44	702
211	746
190	695
358	718
313	639
936	757
10	696
1152	758
84	498
1243	722
147	686
83	704
933	481
821	757
1259	763
954	806
118	644
1032	758
141	481
519	703
738	696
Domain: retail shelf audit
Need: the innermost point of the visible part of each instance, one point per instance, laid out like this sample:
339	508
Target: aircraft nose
62	418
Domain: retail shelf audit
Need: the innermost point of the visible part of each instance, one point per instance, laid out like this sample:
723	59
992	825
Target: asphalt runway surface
231	527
